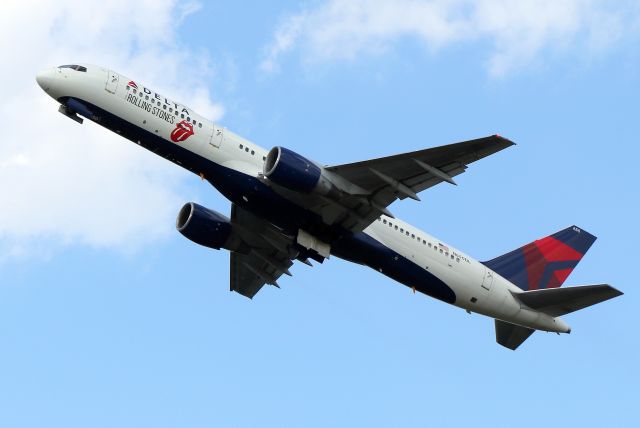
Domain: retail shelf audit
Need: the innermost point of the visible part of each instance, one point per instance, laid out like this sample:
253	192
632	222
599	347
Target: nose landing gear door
112	82
217	134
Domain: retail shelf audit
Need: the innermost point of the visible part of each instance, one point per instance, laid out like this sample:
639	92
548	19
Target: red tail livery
545	263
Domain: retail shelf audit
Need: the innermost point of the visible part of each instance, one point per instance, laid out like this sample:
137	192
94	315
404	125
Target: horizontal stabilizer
510	335
561	301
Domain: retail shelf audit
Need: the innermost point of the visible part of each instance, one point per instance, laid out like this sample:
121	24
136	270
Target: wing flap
267	260
243	280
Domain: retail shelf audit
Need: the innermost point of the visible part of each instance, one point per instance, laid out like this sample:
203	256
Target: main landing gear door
112	82
217	134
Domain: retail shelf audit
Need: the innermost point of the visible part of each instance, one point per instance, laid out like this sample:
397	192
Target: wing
374	184
266	259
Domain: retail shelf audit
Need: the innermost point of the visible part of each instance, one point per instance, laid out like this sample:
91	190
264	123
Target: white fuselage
477	288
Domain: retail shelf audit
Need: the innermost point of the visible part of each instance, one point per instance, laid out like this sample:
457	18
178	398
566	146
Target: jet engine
208	228
295	172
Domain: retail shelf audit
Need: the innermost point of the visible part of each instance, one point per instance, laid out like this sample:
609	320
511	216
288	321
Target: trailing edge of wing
267	260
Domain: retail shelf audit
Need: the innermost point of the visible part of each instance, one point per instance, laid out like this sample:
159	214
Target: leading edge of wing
480	147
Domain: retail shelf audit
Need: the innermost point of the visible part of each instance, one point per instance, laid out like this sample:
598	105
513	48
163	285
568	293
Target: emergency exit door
217	134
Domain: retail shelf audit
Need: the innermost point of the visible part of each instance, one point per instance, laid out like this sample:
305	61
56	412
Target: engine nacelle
295	172
208	228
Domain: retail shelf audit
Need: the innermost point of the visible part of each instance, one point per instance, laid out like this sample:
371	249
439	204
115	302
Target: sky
109	317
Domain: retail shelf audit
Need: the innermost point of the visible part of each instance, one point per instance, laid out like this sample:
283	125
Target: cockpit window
75	67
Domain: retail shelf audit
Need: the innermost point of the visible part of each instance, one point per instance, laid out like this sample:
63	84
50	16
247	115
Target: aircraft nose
45	78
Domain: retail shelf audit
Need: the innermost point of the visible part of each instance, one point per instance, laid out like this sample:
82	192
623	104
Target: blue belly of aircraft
253	195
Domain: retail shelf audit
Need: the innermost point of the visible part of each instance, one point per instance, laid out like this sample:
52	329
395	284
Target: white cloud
187	8
518	31
67	184
284	40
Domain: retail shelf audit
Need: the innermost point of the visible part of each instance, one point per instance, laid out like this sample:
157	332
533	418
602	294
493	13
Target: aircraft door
487	280
217	134
112	81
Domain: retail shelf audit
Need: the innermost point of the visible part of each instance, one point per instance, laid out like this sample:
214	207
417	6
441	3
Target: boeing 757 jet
286	208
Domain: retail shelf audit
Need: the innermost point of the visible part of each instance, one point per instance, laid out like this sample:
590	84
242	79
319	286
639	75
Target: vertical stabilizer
546	262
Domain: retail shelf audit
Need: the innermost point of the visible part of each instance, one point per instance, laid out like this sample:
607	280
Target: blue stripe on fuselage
263	201
363	249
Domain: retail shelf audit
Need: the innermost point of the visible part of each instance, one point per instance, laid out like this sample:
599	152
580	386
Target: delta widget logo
183	131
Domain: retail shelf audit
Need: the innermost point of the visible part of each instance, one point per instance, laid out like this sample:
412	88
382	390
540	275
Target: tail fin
544	263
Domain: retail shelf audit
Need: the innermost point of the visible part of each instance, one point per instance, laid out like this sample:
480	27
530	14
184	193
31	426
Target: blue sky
108	317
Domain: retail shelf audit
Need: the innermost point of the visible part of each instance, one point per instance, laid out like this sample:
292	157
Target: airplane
286	208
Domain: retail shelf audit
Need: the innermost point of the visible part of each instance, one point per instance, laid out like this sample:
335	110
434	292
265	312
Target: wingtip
617	292
506	140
